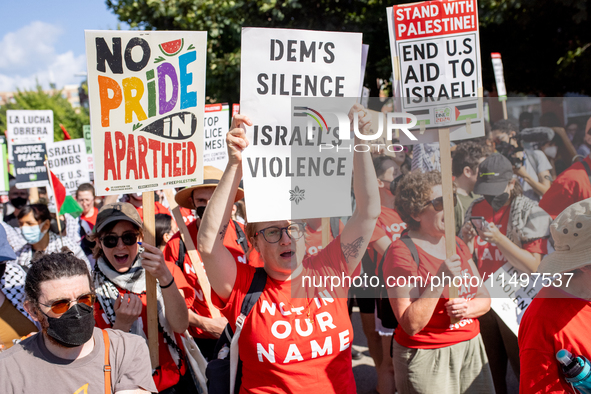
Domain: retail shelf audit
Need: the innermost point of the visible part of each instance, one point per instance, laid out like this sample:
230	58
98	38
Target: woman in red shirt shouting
289	344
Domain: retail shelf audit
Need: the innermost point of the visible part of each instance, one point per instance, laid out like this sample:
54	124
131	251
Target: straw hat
571	232
211	178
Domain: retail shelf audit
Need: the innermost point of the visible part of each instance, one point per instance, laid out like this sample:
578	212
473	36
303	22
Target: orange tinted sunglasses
61	306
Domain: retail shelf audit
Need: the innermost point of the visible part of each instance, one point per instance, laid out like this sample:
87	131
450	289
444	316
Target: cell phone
479	223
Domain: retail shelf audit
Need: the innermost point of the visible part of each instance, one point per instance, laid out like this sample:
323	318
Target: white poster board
435	49
277	65
497	63
68	161
217	123
28	127
147	94
511	293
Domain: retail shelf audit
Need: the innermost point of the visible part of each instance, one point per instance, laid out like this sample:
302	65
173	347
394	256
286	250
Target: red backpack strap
107	367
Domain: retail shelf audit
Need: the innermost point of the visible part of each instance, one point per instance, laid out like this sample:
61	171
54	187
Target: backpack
384	309
240	238
221	371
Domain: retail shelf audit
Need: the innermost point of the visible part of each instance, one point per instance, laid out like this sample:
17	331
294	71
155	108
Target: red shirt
389	225
553	321
314	239
168	374
490	258
158	208
281	351
92	219
171	255
570	187
188	215
439	332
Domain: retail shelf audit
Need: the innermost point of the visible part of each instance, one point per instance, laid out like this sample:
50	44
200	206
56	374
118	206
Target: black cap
494	174
115	212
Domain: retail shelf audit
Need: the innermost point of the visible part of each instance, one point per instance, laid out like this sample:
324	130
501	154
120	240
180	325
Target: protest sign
28	126
29	165
285	174
147	93
4	187
435	50
364	53
88	142
217	122
511	291
67	160
500	80
235	109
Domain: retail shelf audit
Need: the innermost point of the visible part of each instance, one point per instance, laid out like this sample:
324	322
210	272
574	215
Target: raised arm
219	262
359	228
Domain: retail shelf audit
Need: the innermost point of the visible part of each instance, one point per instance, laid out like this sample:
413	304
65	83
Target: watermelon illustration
173	47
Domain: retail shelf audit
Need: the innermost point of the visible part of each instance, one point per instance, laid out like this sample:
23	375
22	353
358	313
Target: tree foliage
72	119
544	43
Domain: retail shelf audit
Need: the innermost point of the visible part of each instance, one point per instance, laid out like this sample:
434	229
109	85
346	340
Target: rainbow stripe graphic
314	115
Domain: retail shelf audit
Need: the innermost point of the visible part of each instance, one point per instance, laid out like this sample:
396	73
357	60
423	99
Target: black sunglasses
438	203
110	241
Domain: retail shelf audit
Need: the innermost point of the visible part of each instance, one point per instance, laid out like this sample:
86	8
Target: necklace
308	314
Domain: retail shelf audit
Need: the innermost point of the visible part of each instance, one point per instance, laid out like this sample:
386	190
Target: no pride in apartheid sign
68	161
217	123
437	67
147	94
286	176
29	165
28	126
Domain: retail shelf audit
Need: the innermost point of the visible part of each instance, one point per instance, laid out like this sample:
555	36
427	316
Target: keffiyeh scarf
12	284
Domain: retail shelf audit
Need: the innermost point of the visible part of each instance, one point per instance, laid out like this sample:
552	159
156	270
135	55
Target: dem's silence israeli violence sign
147	95
286	174
435	49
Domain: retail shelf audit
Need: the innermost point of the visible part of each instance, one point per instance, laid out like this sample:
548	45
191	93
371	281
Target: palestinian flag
468	111
64	202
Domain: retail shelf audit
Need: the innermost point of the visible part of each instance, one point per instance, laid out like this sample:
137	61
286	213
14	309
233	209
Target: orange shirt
168	374
490	258
570	187
158	208
553	321
281	350
389	225
439	332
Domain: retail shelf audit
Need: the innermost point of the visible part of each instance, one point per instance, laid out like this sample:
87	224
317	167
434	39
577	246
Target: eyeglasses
273	234
110	241
438	203
61	306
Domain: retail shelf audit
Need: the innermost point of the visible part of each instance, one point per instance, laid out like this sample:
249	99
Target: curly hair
413	192
467	154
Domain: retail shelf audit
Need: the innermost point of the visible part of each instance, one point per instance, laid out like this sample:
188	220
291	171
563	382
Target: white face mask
551	151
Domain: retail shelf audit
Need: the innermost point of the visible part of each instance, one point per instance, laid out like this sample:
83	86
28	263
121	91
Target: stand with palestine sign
436	60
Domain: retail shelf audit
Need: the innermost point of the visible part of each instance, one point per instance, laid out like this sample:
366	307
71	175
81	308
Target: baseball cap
115	212
494	173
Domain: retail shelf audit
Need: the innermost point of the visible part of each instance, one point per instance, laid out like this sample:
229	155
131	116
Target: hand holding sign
457	308
236	138
364	121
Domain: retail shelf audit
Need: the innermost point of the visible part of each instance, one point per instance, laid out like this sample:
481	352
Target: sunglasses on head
438	203
110	241
61	306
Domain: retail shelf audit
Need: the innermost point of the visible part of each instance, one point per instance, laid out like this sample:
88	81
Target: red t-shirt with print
281	351
158	208
490	258
553	321
570	187
439	332
168	374
314	239
171	255
389	225
92	219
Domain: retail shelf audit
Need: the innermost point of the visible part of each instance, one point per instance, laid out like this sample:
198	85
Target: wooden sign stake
448	198
504	104
151	301
192	252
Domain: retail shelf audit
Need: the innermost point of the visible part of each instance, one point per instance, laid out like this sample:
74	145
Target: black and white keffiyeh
12	284
107	283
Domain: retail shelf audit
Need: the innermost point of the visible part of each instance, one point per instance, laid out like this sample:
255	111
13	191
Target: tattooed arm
358	230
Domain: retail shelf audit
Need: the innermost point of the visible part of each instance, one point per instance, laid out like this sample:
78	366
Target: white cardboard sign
68	161
285	174
28	127
147	94
217	123
499	75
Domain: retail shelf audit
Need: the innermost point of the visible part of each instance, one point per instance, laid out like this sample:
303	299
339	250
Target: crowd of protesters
73	304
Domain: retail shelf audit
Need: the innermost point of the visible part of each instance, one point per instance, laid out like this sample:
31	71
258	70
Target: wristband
168	285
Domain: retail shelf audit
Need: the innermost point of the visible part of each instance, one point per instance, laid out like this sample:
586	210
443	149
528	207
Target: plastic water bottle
577	371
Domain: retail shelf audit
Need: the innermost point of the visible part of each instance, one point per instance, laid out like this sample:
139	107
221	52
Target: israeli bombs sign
147	96
435	49
68	161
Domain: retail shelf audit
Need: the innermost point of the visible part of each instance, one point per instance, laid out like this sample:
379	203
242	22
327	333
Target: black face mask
497	202
2	269
73	328
199	211
53	226
18	202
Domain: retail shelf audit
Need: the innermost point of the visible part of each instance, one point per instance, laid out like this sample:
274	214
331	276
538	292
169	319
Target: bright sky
39	38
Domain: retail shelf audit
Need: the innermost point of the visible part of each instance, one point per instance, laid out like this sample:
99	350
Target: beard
44	327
